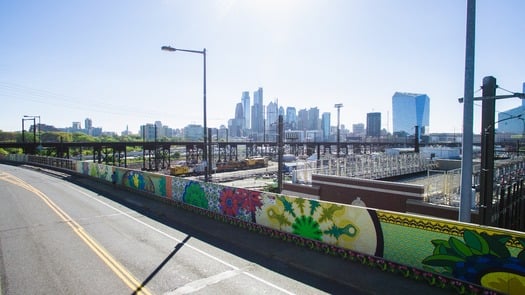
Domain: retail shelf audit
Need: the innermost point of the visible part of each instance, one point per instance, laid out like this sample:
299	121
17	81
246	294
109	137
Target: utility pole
486	180
487	149
156	150
210	156
416	139
280	147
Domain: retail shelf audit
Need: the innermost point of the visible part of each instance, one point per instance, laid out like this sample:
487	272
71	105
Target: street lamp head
168	48
338	105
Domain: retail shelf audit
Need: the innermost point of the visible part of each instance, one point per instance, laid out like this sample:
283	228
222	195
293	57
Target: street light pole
23	134
29	118
205	138
468	115
34	126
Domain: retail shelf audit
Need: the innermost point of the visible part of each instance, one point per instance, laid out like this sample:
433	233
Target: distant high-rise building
245	100
302	120
313	119
147	132
325	126
88	123
358	129
239	112
373	124
291	118
271	113
223	132
410	110
160	130
257	121
510	121
236	125
281	111
271	121
193	132
76	126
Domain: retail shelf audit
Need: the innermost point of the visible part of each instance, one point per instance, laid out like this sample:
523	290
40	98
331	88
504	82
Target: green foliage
271	187
10	136
56	137
82	137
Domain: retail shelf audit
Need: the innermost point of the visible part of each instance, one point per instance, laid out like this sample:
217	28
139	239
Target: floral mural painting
240	203
481	258
138	180
194	195
349	227
100	171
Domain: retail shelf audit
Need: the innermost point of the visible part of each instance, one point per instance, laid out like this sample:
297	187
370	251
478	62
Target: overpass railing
467	258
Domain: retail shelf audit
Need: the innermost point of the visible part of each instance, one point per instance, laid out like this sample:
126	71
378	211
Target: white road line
185	245
197	285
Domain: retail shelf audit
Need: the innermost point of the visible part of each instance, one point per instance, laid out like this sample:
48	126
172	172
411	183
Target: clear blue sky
69	60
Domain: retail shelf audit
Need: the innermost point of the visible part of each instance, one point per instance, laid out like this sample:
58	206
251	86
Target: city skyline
105	63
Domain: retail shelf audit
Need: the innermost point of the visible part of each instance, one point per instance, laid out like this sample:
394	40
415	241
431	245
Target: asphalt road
62	234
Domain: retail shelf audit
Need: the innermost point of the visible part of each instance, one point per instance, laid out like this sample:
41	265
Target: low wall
377	194
444	253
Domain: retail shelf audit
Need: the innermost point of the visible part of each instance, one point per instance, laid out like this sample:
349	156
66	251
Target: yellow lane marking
104	255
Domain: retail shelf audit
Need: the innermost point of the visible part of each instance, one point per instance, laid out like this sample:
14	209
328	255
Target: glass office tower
410	110
373	124
325	126
245	100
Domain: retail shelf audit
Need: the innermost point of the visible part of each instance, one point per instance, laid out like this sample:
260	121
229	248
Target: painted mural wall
490	257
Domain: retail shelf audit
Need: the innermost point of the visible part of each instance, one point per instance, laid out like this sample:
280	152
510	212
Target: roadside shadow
161	265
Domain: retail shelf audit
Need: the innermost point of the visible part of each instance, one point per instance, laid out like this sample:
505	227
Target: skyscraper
257	114
373	124
291	118
245	100
302	120
281	111
88	123
325	126
313	119
271	121
410	110
236	125
271	113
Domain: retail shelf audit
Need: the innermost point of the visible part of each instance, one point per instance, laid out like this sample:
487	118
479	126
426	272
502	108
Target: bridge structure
158	154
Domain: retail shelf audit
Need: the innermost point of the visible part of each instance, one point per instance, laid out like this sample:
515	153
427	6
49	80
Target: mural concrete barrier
468	258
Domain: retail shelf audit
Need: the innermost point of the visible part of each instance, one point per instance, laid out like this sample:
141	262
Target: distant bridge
157	154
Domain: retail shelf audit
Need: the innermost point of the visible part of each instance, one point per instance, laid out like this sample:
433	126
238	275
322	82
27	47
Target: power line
19	92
